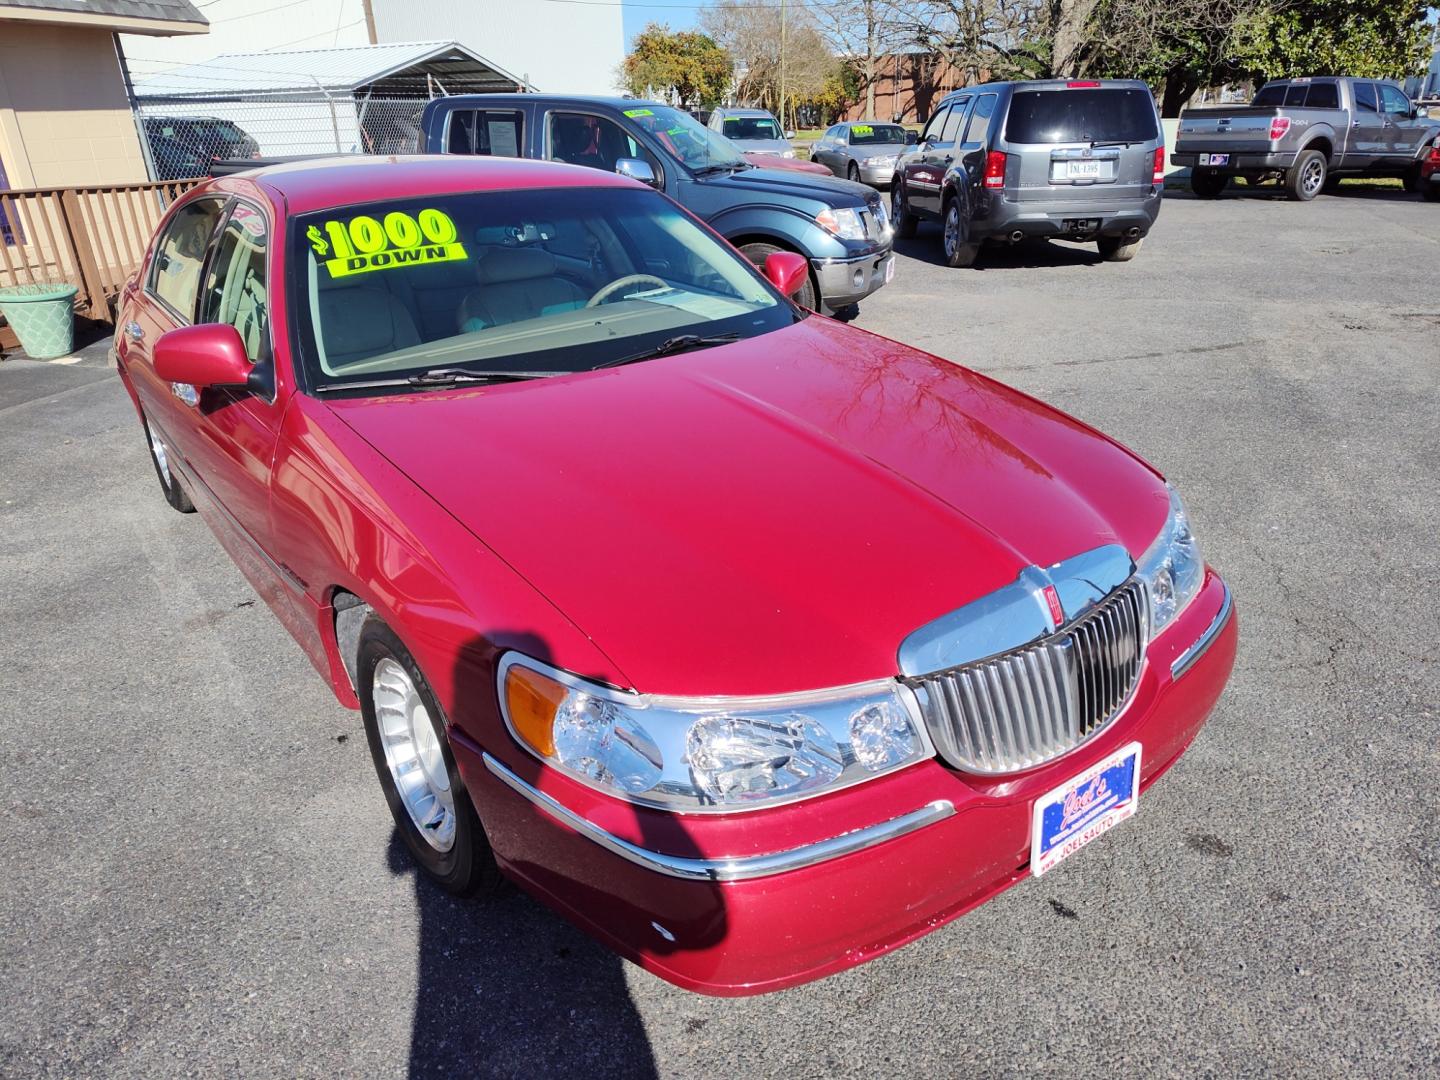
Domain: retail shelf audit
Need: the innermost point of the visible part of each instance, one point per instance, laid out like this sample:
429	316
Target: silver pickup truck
1306	133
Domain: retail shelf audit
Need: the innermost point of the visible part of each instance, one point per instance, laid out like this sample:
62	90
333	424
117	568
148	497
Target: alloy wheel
952	229
1313	178
413	754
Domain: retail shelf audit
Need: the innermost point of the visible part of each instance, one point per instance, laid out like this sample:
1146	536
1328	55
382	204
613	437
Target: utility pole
783	127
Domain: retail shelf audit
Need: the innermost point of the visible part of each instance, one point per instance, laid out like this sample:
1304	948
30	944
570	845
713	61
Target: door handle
134	331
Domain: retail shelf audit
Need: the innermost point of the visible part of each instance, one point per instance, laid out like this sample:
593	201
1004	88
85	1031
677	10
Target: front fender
786	226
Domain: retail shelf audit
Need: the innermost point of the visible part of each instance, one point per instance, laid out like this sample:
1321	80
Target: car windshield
1110	114
680	134
751	127
513	283
876	134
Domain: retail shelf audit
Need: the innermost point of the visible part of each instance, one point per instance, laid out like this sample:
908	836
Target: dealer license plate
1084	170
1214	159
1083	808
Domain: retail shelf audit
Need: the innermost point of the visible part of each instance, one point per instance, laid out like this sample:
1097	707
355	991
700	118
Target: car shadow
1276	193
504	985
925	246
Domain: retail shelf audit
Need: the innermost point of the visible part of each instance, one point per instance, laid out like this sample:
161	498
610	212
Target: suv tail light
1159	174
995	169
1278	127
1434	157
1081	84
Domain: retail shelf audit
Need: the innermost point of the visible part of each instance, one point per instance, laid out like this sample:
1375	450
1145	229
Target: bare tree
864	33
1070	50
777	55
981	38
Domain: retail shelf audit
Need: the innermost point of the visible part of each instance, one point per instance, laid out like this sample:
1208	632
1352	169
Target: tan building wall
64	117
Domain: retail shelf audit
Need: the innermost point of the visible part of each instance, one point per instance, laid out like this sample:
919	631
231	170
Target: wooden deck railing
92	237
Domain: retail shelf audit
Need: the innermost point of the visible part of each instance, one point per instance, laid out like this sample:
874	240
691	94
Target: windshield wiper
442	377
734	166
448	376
1125	143
670	346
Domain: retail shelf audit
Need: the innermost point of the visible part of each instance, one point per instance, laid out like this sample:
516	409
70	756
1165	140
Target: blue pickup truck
842	228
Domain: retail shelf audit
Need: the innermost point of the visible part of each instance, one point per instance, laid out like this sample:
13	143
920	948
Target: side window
1323	96
979	126
952	122
488	132
594	141
175	277
1392	101
932	129
1365	97
235	290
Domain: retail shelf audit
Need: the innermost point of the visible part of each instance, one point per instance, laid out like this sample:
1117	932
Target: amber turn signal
532	700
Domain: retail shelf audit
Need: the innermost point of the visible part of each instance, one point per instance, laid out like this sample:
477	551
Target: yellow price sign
366	243
863	129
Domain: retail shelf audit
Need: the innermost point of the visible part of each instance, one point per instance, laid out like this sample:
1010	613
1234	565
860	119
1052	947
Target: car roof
1044	84
746	112
469	100
303	186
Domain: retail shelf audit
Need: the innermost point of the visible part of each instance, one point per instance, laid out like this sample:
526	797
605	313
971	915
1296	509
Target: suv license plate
1079	224
1084	170
1214	159
1083	808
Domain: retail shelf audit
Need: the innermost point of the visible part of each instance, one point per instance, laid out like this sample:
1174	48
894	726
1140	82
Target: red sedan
753	643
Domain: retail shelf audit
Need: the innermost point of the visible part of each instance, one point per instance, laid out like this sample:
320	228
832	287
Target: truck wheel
1118	249
1306	178
1207	184
757	253
958	252
902	219
406	730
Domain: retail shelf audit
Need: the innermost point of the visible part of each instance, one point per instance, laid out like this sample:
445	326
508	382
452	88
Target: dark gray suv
1003	162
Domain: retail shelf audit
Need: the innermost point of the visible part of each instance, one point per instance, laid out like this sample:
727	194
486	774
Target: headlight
1172	568
710	754
788	153
845	224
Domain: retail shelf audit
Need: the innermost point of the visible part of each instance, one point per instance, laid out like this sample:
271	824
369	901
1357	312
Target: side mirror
637	169
211	354
787	271
1422	112
911	137
789	134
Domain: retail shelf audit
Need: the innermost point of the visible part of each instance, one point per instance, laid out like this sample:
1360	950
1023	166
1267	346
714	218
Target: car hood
761	183
860	153
764	146
768	516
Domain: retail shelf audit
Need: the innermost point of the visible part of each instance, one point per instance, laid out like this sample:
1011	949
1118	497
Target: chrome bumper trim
851	260
1186	660
739	868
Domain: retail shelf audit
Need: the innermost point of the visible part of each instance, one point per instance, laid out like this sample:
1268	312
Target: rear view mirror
787	271
211	354
637	169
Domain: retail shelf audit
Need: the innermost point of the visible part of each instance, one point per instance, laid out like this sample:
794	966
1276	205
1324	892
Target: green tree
684	64
1380	39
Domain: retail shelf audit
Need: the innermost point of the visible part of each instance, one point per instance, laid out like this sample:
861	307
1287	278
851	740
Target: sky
681	15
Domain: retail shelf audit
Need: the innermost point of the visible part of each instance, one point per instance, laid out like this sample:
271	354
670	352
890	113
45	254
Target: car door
234	429
923	174
1367	127
1403	131
822	151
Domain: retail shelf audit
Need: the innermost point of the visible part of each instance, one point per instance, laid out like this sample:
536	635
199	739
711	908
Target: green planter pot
43	318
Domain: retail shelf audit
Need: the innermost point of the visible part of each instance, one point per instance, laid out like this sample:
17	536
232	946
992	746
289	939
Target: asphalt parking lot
199	872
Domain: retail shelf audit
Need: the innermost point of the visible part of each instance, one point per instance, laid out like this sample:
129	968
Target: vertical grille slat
1028	706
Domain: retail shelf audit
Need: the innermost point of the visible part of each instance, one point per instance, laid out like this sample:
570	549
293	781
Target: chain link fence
186	135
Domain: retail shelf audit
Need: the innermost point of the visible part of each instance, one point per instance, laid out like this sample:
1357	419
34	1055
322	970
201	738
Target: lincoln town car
755	644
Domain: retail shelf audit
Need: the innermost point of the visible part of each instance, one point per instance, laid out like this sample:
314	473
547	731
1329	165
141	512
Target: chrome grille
1024	707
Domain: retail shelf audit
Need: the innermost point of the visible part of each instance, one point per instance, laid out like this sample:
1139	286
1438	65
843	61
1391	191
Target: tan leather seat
360	321
515	285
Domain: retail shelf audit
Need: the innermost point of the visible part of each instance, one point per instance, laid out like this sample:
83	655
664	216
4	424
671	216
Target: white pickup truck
1307	133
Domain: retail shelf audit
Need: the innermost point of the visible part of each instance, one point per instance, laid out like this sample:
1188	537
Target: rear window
1274	94
1299	95
1091	115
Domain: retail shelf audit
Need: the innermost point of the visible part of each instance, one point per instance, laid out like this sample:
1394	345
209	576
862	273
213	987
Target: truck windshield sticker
632	113
363	243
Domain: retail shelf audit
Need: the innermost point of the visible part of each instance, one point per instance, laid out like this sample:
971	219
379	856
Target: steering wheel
607	291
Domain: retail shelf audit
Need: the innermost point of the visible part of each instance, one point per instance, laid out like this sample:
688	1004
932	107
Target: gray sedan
862	152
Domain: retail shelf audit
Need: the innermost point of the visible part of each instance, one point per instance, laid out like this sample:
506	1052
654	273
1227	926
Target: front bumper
850	280
877	176
747	903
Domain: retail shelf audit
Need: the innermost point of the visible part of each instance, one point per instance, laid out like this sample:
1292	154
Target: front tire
170	487
853	173
904	221
959	252
1117	249
405	727
1306	178
1208	185
757	253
